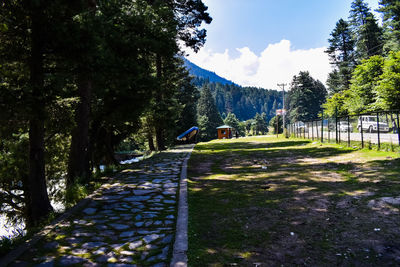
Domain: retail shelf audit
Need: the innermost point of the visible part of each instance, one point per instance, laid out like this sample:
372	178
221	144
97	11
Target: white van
370	124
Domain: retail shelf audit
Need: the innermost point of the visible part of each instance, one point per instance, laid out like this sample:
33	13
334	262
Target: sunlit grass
247	195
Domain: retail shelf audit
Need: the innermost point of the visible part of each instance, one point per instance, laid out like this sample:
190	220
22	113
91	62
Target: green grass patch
285	201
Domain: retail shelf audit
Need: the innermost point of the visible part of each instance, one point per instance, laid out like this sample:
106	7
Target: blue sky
255	42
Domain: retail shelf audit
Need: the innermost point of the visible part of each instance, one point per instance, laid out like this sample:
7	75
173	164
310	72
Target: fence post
379	132
348	130
336	126
322	127
361	130
312	130
398	130
329	132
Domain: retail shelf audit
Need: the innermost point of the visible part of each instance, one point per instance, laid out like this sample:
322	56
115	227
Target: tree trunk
39	199
151	142
79	157
159	98
78	163
160	138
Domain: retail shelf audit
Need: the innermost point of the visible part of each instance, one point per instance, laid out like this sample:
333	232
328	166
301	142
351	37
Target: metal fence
376	128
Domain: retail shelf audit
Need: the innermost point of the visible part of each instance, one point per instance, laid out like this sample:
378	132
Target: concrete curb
179	256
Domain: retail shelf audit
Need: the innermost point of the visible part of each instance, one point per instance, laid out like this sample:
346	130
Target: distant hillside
244	102
202	73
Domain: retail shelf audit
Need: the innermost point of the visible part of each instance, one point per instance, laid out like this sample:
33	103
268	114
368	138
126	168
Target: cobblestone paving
129	222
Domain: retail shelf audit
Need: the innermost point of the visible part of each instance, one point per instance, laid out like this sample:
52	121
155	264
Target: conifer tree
367	33
341	52
306	97
208	116
391	24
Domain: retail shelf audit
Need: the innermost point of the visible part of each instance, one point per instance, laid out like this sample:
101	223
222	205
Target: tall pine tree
208	116
305	98
341	52
367	33
391	24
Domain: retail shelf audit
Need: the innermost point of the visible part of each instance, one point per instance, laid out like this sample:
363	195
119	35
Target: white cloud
276	64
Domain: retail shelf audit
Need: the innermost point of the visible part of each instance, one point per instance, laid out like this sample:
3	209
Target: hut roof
224	127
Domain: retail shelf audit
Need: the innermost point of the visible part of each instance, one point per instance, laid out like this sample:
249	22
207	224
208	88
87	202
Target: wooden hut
224	132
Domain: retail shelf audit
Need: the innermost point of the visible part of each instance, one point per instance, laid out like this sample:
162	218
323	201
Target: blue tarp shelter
189	134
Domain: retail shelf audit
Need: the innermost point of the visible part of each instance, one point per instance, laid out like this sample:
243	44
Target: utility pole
282	85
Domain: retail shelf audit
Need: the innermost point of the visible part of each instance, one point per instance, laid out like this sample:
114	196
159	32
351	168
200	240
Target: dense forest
78	80
366	60
244	102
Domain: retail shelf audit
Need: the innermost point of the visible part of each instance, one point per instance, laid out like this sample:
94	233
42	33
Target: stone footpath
128	222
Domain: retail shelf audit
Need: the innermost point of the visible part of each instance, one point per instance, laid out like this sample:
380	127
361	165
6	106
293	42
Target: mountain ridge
206	74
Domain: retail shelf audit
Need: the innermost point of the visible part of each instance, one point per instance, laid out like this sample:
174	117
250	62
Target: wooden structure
224	132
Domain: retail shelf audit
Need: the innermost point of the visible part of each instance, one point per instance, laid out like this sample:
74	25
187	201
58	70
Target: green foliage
244	102
207	115
74	193
341	52
56	55
362	95
391	24
232	121
259	125
335	105
276	123
367	33
305	98
388	88
375	86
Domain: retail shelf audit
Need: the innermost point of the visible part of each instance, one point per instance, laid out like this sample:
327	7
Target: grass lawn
271	201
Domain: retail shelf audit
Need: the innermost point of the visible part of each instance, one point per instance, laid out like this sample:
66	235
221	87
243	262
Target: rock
170	185
101	227
100	251
79	251
89	211
127	234
51	245
139	224
164	253
127	253
121	265
167	239
92	245
135	210
118	226
137	198
47	263
167	201
150	238
142	192
170	217
70	260
135	244
149	215
78	233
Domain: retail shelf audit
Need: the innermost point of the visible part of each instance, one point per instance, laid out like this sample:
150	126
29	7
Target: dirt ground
293	203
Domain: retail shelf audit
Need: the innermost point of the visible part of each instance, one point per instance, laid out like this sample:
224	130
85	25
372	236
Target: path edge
179	256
